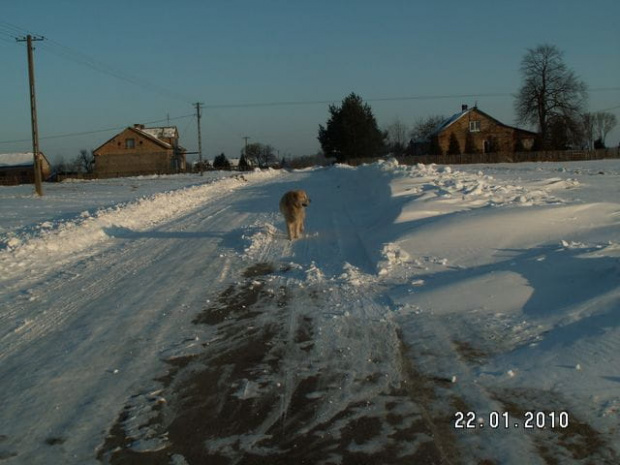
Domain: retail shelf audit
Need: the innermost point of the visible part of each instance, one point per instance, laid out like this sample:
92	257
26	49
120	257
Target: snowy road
167	335
298	360
99	332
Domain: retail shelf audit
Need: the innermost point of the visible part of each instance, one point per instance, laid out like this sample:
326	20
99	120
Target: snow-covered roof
457	116
449	121
16	159
164	132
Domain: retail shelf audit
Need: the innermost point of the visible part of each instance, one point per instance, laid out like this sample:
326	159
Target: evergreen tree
434	148
243	164
221	162
494	146
470	146
351	131
454	148
519	147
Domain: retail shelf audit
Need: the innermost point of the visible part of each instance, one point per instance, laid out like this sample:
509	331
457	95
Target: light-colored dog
292	206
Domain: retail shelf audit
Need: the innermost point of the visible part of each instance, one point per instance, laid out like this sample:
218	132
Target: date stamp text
504	420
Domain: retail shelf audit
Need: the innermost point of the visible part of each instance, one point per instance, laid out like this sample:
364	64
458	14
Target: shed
18	168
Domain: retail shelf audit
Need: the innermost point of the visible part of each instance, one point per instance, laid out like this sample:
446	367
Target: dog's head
302	198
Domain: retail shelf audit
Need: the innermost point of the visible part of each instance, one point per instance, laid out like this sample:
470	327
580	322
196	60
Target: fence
502	157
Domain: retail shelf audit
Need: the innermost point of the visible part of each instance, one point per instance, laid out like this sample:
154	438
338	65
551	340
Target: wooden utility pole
198	106
38	184
245	150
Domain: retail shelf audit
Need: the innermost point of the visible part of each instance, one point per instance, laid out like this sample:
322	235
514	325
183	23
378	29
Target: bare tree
397	137
550	91
60	167
260	155
588	130
603	123
85	162
424	127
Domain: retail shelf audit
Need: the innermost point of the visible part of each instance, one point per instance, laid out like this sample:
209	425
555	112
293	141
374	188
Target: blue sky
407	59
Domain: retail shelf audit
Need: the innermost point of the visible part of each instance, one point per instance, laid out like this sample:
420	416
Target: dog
292	206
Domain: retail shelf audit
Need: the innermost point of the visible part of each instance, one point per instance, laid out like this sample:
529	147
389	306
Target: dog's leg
289	229
300	229
294	230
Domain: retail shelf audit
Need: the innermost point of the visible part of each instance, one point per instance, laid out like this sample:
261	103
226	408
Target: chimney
463	108
138	126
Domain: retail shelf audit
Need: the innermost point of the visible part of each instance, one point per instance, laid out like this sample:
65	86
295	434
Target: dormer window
474	126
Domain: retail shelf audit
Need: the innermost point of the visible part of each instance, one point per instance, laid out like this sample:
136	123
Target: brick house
138	151
18	168
477	132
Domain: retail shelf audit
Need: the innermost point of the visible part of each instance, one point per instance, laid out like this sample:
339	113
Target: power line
97	131
610	108
9	34
83	59
56	48
380	99
329	102
16	30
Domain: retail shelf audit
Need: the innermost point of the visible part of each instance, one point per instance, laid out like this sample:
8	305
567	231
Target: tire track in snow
293	374
37	316
307	364
122	299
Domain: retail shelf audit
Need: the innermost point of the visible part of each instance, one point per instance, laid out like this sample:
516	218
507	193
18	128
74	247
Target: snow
417	292
16	159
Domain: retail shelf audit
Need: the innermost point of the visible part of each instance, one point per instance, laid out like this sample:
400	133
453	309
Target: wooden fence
502	157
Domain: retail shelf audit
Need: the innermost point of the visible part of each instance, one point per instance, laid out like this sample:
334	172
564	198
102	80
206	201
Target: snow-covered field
432	314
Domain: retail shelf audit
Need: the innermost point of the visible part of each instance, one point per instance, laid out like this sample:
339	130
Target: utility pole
198	106
245	152
38	185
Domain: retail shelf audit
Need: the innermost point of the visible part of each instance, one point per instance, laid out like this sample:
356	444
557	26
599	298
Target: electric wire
9	31
97	131
56	48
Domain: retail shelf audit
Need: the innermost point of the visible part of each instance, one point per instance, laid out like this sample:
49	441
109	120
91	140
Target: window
130	143
474	126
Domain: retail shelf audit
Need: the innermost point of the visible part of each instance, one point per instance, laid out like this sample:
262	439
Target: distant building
138	151
477	132
18	168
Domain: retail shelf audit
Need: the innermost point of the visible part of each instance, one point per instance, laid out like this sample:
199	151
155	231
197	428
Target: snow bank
62	241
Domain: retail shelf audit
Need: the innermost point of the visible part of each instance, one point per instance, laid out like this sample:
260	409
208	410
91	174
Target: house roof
15	160
457	116
167	132
153	134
